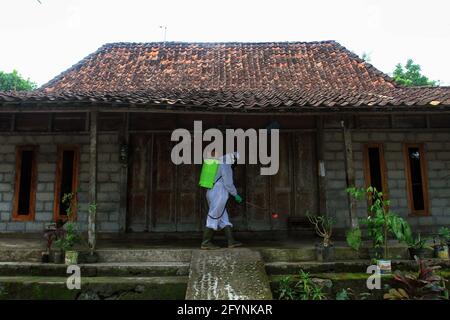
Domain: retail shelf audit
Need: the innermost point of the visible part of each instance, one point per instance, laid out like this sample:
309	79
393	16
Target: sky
42	38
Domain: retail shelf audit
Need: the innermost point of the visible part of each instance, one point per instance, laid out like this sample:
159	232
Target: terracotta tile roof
286	75
127	67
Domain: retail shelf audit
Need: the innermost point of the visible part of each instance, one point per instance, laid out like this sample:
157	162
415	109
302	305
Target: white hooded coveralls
218	195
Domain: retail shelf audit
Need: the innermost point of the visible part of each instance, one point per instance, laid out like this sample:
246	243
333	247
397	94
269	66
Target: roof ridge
112	44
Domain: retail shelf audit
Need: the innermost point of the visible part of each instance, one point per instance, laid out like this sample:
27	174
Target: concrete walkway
227	274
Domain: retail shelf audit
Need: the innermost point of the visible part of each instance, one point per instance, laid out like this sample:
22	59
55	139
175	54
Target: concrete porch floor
29	249
17	241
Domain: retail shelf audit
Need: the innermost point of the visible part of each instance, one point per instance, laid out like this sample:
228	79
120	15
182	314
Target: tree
411	75
14	81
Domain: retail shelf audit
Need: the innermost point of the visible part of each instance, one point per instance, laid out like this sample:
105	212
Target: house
102	129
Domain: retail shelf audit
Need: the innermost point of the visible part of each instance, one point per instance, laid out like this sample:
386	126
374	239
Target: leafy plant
309	290
344	294
54	232
67	234
354	238
426	285
302	289
417	242
70	238
444	235
323	226
380	221
285	289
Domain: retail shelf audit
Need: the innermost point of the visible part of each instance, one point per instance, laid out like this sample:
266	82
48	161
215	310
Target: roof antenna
165	31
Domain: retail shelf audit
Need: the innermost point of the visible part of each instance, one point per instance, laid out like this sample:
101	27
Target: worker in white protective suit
217	198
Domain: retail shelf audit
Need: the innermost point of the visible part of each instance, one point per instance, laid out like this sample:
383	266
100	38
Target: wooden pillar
123	141
92	179
322	179
349	172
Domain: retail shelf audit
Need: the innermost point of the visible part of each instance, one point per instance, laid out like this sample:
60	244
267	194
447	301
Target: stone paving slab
228	274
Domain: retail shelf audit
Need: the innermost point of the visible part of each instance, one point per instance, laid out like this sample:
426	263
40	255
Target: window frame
33	185
384	175
58	179
423	172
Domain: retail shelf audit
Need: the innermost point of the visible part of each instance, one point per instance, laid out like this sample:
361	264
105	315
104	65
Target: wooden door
305	177
138	184
163	191
164	197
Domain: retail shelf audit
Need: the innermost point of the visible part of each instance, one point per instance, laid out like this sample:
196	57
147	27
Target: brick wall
437	154
108	178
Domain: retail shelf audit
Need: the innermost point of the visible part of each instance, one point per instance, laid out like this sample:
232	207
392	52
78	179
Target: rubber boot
207	240
229	235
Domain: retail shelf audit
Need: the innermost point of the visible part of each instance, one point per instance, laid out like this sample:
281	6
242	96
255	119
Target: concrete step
353	266
105	255
117	269
304	252
19	255
93	288
144	255
308	253
227	274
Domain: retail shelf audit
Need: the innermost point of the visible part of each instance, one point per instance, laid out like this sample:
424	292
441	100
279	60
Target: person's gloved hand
238	198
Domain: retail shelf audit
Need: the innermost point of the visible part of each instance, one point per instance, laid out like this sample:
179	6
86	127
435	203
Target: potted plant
417	246
67	243
425	285
52	233
380	223
69	236
323	226
441	248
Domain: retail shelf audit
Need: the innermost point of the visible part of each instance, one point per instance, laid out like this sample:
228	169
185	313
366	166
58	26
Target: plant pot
57	257
324	253
385	266
376	253
71	257
419	252
45	258
441	252
89	257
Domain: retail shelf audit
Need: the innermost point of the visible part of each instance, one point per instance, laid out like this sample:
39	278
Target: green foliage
426	285
302	289
410	75
444	235
285	289
70	238
354	238
15	82
70	234
92	209
343	295
380	221
416	242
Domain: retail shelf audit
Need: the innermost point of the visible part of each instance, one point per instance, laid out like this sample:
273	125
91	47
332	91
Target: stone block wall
437	155
108	180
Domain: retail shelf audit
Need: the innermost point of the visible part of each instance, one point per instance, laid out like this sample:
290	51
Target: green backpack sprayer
208	173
